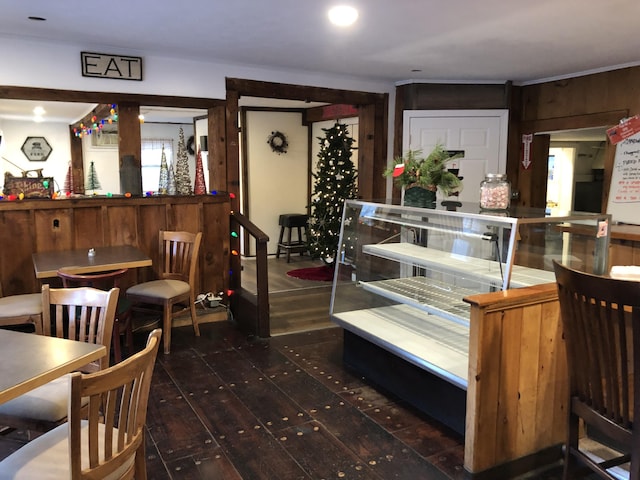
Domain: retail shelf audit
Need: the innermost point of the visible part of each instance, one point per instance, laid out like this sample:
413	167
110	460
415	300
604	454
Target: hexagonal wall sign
36	149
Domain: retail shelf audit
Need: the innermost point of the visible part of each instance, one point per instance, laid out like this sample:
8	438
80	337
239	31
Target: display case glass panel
402	272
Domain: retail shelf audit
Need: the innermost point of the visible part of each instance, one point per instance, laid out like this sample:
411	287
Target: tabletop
28	361
47	264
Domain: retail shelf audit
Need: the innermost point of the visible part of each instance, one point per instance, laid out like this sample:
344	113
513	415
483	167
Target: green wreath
278	142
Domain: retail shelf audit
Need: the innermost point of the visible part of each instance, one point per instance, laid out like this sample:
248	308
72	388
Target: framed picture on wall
36	149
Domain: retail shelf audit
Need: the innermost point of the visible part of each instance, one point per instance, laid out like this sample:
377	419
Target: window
150	161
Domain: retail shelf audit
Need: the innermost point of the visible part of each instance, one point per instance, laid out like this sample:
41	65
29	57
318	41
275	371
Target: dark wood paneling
53	228
29	93
443	96
217	143
91	234
51	225
122	225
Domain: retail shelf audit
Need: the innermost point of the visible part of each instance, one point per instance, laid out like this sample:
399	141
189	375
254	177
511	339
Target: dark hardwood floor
227	406
224	406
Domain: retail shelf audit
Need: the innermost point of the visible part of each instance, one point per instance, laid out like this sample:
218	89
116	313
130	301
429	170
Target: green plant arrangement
430	172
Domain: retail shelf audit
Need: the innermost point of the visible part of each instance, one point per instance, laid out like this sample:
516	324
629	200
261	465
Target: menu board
624	192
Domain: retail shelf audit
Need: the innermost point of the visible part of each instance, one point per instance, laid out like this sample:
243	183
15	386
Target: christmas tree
200	187
183	179
334	181
69	188
92	179
172	180
163	184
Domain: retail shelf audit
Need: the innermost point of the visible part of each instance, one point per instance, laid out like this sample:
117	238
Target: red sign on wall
626	129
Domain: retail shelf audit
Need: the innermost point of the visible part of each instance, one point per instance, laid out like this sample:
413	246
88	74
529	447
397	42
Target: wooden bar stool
287	222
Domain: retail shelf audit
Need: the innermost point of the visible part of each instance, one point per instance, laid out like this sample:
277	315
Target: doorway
575	175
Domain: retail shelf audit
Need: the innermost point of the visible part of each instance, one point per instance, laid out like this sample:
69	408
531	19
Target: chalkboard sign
31	187
624	192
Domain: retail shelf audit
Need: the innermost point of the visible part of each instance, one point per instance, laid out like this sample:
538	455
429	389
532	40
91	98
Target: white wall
14	135
33	63
277	183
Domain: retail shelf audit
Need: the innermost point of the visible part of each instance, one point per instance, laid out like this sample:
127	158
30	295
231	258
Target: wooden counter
625	245
43	225
518	386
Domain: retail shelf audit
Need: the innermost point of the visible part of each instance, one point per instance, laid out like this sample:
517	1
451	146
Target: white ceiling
454	40
524	41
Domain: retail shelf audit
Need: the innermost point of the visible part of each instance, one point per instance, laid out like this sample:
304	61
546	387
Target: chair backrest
601	324
85	314
179	255
113	441
101	280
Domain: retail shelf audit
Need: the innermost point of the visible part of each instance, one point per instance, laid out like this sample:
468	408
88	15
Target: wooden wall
30	226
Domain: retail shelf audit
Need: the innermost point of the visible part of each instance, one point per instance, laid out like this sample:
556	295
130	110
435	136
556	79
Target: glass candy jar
495	192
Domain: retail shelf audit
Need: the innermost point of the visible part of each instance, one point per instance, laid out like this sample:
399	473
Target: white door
482	134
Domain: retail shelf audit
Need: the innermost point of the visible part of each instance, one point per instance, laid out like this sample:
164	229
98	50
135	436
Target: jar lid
496	176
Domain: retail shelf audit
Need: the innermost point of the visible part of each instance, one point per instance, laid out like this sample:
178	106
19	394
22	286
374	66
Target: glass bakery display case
402	272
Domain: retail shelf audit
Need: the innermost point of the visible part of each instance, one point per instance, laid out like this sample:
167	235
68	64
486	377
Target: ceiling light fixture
343	15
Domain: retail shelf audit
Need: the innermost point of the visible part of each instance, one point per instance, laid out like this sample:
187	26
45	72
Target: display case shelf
432	296
427	341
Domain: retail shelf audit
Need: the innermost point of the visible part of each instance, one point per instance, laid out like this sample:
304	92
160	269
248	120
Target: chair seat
161	289
48	403
20	305
45	457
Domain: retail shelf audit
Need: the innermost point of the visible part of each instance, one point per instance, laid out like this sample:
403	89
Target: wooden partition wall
30	226
518	388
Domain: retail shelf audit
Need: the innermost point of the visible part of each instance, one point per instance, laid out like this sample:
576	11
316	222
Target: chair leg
280	242
115	342
289	243
167	317
194	317
140	464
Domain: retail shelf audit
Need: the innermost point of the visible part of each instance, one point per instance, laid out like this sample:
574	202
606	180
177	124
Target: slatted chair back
105	281
104	437
114	435
179	255
601	325
84	314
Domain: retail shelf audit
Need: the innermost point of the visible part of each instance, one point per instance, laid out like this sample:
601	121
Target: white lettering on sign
104	65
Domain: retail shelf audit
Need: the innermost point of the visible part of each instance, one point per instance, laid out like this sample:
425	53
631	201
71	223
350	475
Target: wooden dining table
47	264
28	361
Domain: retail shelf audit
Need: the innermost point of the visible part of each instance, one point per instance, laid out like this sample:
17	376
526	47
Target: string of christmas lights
96	124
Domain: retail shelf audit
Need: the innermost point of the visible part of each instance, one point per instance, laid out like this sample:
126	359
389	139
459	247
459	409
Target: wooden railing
250	310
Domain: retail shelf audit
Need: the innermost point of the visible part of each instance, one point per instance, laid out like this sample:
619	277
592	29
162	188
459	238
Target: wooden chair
22	309
105	281
176	283
108	443
84	314
601	324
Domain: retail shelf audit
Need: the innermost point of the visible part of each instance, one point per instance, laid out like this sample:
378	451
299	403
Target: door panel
482	134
